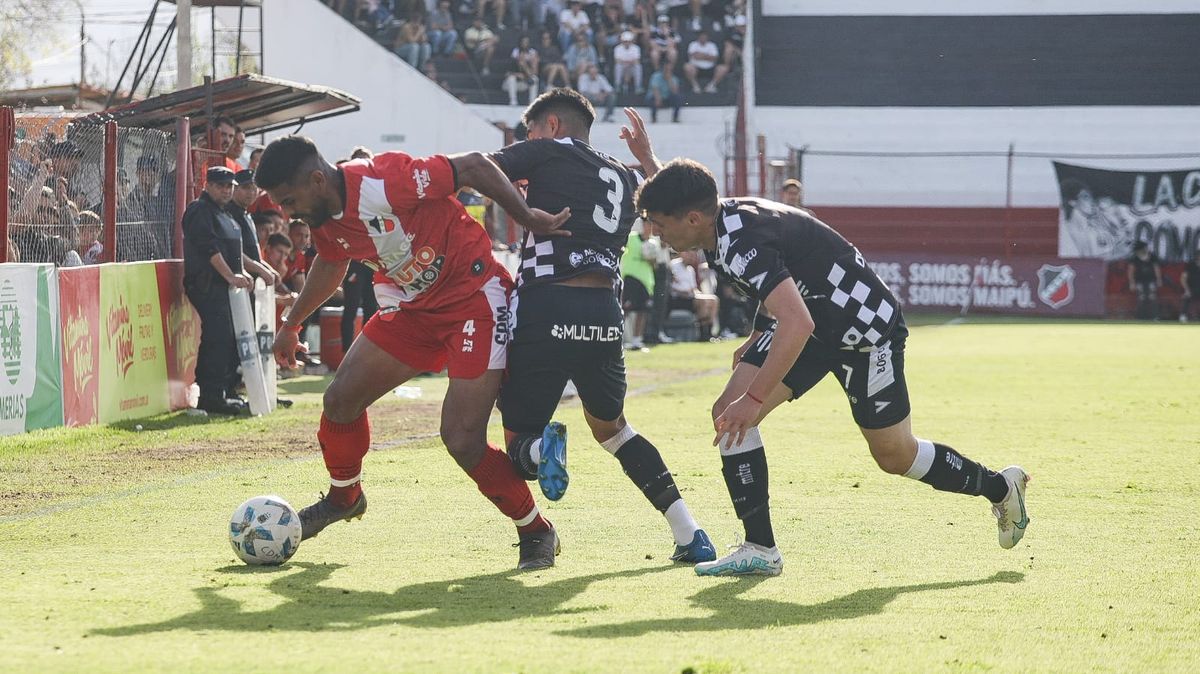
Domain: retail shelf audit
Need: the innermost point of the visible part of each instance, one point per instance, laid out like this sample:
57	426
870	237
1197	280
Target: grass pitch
114	553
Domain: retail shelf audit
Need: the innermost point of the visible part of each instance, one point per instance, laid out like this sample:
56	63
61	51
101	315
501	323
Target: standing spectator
234	152
481	41
255	155
628	69
792	193
597	89
411	43
1190	280
212	264
442	35
573	21
498	5
664	91
244	194
702	64
82	185
581	55
524	73
276	252
1145	278
297	267
554	68
664	44
144	219
637	265
358	292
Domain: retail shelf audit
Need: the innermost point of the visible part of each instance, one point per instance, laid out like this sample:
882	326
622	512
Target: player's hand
287	345
241	281
732	424
741	350
547	224
638	140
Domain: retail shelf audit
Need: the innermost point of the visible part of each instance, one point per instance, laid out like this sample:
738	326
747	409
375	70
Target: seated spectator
573	21
664	91
443	38
266	223
664	44
412	44
597	89
581	55
792	193
735	39
609	27
554	68
524	73
255	156
481	42
87	243
482	5
627	57
702	64
686	293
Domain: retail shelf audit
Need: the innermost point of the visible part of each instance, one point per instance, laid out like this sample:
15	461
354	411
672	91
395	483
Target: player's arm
476	171
324	278
638	140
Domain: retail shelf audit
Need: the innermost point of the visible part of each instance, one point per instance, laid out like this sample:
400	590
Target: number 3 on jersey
615	195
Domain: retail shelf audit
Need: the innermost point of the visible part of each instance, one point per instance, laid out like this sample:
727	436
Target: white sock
683	527
923	461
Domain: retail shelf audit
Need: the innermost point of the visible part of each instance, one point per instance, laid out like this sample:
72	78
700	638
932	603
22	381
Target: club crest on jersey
421	180
382	225
1056	285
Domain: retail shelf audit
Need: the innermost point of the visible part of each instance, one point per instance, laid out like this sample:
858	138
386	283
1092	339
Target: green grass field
114	554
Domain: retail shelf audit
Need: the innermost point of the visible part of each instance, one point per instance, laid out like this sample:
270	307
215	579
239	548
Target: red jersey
401	220
264	203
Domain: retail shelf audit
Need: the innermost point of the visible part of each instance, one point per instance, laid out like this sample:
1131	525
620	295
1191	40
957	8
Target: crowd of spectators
606	49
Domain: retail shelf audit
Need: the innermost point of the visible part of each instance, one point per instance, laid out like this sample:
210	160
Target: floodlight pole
183	44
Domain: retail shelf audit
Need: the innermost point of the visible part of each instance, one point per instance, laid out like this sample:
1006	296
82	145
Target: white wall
854	181
401	109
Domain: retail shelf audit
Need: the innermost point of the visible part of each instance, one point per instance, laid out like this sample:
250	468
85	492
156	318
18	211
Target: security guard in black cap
212	262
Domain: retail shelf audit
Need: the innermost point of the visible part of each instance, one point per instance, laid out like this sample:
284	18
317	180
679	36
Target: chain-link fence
146	185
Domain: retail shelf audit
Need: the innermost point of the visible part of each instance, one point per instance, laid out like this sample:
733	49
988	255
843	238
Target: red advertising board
1032	286
79	313
181	331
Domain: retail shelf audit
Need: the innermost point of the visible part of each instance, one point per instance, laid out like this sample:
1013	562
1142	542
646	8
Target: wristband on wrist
763	323
752	397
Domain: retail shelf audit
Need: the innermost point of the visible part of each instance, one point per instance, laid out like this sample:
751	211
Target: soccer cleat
747	559
1011	518
700	549
321	514
552	469
538	549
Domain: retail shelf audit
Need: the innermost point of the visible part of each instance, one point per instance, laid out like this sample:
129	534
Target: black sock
518	453
746	479
956	473
645	468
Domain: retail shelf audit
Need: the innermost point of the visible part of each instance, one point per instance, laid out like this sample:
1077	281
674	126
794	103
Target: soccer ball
265	530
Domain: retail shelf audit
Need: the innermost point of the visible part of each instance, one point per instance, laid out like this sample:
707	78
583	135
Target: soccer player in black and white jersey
832	314
566	311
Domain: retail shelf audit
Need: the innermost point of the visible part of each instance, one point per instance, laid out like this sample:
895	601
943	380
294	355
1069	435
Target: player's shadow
725	609
311	606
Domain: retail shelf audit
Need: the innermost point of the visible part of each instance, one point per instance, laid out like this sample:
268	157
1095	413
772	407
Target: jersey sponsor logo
587	333
421	180
417	272
758	279
590	257
880	404
502	325
738	265
881	375
1056	285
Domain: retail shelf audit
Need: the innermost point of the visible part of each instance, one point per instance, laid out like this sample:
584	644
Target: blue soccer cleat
552	468
700	549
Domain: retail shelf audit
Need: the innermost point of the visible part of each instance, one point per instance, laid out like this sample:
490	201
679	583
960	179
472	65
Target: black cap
220	174
65	148
244	177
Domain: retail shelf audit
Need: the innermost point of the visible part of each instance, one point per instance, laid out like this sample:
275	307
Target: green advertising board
31	380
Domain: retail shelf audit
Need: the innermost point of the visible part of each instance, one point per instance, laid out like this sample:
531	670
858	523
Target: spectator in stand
702	64
358	292
411	43
244	194
597	89
627	57
525	16
792	193
442	35
212	264
573	21
735	40
686	293
277	251
144	219
236	148
581	55
524	73
481	42
255	155
87	244
554	68
609	27
637	264
663	92
664	44
1190	281
82	184
497	5
297	263
1145	278
265	226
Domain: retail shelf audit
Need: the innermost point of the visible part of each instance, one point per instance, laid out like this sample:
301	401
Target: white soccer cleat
747	559
1011	517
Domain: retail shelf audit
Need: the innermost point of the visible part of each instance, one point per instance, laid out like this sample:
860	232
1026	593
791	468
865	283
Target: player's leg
875	384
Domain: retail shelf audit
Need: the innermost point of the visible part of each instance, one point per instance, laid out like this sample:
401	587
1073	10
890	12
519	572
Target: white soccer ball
265	530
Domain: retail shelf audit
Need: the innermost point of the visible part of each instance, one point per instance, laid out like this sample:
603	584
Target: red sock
343	447
498	480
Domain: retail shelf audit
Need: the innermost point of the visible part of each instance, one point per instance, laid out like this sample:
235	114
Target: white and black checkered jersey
761	244
597	188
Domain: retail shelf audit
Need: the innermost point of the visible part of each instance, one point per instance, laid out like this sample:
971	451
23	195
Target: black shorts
635	296
873	377
562	333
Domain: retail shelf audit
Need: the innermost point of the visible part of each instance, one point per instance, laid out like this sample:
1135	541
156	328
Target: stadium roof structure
259	104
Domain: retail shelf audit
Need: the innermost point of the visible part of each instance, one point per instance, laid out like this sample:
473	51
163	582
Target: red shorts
468	338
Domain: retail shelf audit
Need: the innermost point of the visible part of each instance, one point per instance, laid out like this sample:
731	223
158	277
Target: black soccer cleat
321	514
538	549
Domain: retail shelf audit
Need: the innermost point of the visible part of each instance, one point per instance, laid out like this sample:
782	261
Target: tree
26	27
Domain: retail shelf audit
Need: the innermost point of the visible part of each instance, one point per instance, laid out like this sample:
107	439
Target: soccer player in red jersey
443	304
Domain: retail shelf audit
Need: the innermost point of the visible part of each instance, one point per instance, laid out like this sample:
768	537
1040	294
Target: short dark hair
682	185
277	239
284	159
361	152
257	150
564	102
225	119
